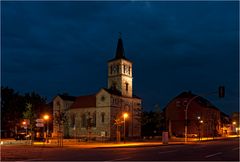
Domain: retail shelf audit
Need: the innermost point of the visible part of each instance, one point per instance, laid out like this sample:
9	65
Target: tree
60	119
12	106
31	116
38	103
153	122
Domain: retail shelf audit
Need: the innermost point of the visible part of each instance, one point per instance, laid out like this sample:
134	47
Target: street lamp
234	126
24	123
46	117
125	115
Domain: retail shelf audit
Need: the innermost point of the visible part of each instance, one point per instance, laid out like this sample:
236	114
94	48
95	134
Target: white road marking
164	152
208	156
120	159
235	148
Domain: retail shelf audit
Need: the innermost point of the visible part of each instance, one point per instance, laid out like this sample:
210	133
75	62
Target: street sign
39	125
40	120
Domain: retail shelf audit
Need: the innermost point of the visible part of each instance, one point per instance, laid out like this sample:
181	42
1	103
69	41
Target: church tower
120	72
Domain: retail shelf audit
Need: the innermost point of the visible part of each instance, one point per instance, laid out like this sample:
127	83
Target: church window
84	121
127	87
129	69
111	70
124	68
102	117
72	120
94	119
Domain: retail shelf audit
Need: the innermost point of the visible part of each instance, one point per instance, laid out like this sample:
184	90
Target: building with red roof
100	115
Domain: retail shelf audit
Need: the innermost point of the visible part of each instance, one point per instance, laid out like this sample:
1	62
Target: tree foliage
153	122
30	115
13	105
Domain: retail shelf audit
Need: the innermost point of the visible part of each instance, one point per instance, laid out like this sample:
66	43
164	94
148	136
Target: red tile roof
84	101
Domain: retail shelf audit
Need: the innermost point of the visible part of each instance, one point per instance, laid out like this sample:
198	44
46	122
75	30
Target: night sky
56	47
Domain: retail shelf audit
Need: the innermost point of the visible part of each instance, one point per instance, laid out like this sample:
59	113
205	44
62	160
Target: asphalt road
220	150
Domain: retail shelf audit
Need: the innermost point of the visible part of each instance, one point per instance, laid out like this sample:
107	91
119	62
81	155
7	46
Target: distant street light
125	115
46	117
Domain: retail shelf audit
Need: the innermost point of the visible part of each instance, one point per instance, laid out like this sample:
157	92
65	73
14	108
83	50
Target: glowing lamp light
46	117
234	123
125	115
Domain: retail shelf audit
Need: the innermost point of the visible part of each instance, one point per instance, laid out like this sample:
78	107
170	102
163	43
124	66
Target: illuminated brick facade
203	117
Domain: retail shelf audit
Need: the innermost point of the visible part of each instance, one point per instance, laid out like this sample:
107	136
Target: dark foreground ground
218	150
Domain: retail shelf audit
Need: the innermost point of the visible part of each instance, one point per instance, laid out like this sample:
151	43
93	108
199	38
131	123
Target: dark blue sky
55	47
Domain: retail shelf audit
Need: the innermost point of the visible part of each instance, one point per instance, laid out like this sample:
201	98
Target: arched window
72	120
102	117
127	87
84	120
94	119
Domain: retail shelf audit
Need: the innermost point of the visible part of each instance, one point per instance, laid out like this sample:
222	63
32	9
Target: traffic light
221	91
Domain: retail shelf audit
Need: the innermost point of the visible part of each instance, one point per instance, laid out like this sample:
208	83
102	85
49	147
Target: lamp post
200	122
125	115
234	126
46	117
25	126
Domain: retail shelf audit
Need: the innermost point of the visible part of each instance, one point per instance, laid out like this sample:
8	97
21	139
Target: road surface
220	150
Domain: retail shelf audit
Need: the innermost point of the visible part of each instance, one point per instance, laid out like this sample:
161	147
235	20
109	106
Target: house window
102	117
178	103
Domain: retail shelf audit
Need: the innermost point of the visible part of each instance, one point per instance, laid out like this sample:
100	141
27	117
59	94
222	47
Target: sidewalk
110	145
74	143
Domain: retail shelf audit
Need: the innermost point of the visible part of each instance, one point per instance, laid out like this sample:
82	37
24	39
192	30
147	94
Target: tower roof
120	54
120	49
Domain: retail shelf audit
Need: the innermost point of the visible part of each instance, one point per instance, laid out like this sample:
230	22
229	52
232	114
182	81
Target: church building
100	115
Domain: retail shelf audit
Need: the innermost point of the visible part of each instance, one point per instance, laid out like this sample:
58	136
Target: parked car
21	136
40	139
192	135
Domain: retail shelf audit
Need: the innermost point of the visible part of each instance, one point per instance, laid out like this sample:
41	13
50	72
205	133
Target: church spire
120	49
